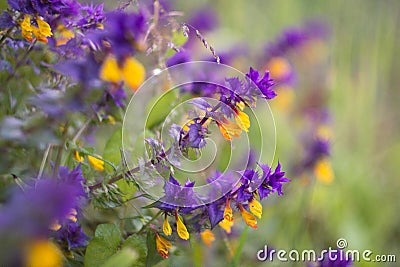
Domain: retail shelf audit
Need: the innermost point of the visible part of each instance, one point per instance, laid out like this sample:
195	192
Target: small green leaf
103	245
159	108
124	258
110	233
178	39
152	255
139	244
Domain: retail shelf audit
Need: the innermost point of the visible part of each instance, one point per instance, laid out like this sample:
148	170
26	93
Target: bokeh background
362	52
361	64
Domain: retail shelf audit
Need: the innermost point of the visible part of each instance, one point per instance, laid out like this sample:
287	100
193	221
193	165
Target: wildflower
162	246
73	235
323	171
26	28
281	71
96	163
194	135
255	208
248	218
181	228
264	84
42	31
42	253
131	72
166	227
271	181
208	237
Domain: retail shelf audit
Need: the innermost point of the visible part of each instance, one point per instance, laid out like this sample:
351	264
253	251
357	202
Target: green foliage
103	245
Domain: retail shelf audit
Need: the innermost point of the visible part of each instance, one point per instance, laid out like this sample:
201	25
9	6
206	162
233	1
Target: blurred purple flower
264	84
73	234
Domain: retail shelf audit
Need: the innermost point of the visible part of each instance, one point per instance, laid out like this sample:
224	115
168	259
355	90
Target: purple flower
124	31
178	58
6	21
317	149
73	235
177	196
91	16
264	84
272	182
194	137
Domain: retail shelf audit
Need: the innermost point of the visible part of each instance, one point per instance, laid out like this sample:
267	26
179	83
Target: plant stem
149	222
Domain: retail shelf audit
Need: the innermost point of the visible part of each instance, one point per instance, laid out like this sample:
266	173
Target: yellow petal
167	227
96	163
181	228
248	218
26	28
64	35
133	73
110	71
226	225
229	129
242	120
44	27
208	237
42	253
78	157
162	246
323	171
55	226
228	215
255	208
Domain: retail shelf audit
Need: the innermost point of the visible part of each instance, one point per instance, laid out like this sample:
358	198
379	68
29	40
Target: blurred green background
362	203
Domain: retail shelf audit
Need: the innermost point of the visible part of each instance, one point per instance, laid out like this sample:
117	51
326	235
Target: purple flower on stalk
246	190
74	236
264	84
318	149
272	182
91	16
178	196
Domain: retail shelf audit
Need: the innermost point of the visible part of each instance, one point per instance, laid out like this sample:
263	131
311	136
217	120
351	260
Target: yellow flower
255	208
226	225
208	237
181	228
111	120
323	171
242	120
131	72
166	227
42	31
98	164
64	35
229	129
78	157
26	28
248	218
162	246
279	68
228	215
42	253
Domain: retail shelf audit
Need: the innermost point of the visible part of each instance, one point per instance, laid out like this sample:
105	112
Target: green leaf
97	252
152	255
159	107
110	233
112	149
124	258
139	244
103	245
